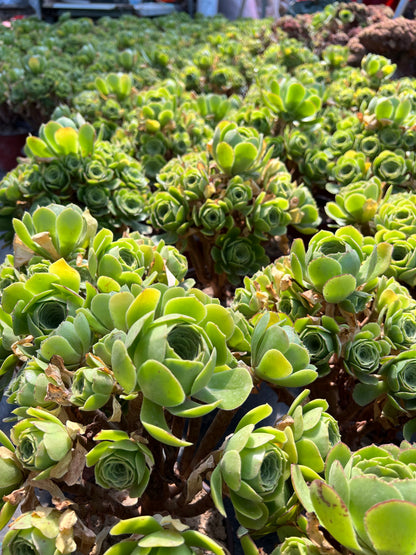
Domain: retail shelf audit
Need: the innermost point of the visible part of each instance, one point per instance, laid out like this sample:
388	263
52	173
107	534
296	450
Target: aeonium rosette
396	378
350	167
29	387
238	150
43	443
311	433
339	265
292	101
254	470
155	535
120	462
237	254
378	68
356	203
44	300
403	260
91	387
397	211
399	375
390	167
365	351
54	232
366	501
133	259
321	339
174	353
400	327
43	531
12	474
296	545
278	355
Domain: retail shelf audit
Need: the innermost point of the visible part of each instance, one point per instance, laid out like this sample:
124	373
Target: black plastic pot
11	147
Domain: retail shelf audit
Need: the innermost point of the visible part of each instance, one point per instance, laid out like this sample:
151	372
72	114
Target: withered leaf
116	416
74	474
22	253
44	240
194	482
58	395
16	496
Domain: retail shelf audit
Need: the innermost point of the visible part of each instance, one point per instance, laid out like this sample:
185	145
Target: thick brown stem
171	453
193	509
213	435
94	500
195	251
132	417
157	492
194	428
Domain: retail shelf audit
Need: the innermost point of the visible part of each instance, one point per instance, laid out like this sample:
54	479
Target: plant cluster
142	315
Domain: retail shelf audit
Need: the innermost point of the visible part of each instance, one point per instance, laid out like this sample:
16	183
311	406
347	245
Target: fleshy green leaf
391	527
339	288
333	514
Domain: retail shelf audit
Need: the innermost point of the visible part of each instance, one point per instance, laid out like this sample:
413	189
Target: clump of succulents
109	104
227	207
100	344
369	495
254	463
161	126
360	337
69	164
124	377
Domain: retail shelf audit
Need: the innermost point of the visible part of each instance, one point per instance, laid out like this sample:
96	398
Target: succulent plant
254	468
12	472
390	167
43	443
368	492
378	68
389	110
237	255
54	231
396	212
44	530
291	101
278	355
320	339
296	545
238	150
356	203
311	433
159	535
120	462
336	264
364	353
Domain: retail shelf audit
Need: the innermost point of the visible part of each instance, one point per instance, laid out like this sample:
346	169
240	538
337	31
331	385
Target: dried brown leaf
44	240
49	486
22	253
26	342
76	468
317	537
58	395
194	482
16	496
84	536
116	416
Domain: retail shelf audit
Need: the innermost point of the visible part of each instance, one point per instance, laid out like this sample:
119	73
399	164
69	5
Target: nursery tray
83	6
149	9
